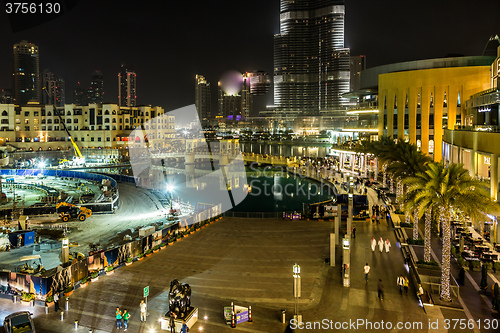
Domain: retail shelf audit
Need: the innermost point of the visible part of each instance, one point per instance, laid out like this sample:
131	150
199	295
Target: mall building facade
475	142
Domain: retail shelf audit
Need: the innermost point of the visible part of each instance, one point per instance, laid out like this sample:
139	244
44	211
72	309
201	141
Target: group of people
381	244
379	212
402	283
125	316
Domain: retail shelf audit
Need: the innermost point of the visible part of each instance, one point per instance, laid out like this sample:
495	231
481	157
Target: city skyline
218	38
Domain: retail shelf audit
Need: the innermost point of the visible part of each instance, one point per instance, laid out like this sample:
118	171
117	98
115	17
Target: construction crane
78	159
68	211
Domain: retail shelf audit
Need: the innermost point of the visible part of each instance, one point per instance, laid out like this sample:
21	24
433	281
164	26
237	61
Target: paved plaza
249	262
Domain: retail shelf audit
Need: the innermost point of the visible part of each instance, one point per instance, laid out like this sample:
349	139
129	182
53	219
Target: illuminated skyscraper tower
126	87
311	65
26	73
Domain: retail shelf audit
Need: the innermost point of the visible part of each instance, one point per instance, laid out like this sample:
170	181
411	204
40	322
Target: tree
447	189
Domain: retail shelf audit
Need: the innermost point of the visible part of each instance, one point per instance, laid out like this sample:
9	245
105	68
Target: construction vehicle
36	268
78	159
68	211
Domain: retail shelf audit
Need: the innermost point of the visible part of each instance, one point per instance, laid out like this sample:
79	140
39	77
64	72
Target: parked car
19	322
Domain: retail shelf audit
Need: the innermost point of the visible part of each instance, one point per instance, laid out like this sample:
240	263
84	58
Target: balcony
478	128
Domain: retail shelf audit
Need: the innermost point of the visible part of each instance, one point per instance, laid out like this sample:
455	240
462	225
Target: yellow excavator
68	211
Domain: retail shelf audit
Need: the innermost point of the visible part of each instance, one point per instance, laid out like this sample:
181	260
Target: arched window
113	112
114	121
106	120
106	112
4	113
68	113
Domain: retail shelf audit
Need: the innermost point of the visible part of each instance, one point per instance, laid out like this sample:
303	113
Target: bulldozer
69	211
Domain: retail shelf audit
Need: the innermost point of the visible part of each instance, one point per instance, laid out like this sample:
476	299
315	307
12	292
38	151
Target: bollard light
62	315
76	324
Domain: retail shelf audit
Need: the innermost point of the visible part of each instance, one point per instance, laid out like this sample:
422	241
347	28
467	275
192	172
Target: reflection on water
254	190
286	150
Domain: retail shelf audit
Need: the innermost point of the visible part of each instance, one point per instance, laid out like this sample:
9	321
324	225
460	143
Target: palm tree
447	189
407	161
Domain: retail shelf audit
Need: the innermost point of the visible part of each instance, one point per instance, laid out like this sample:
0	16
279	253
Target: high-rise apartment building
96	91
203	100
311	65
127	94
26	73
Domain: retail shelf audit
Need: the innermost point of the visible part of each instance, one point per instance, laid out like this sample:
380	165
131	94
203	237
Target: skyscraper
229	105
203	100
357	64
54	89
127	94
311	65
96	91
246	97
26	73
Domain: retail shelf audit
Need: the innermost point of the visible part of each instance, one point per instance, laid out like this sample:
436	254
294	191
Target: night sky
168	42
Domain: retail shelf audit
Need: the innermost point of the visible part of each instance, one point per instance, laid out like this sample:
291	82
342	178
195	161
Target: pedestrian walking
373	210
172	322
387	245
144	310
401	283
118	314
184	328
374	244
378	218
126	317
406	284
56	302
380	289
353	232
381	244
366	270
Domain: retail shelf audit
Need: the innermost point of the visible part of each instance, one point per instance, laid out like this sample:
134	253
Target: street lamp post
297	290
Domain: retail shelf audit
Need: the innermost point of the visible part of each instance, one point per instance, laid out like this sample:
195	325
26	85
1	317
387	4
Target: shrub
49	299
130	259
149	251
185	232
496	266
179	236
27	297
430	263
475	263
488	265
94	274
156	247
461	261
84	280
109	268
140	255
191	229
68	289
412	241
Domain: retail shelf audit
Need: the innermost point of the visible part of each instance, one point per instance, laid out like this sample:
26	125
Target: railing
254	215
478	128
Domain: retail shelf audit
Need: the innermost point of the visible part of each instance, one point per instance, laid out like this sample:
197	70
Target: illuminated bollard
62	315
46	309
76	324
66	306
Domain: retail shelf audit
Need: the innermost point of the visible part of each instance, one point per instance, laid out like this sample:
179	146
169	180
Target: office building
259	82
96	91
26	73
53	89
311	65
127	94
203	100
